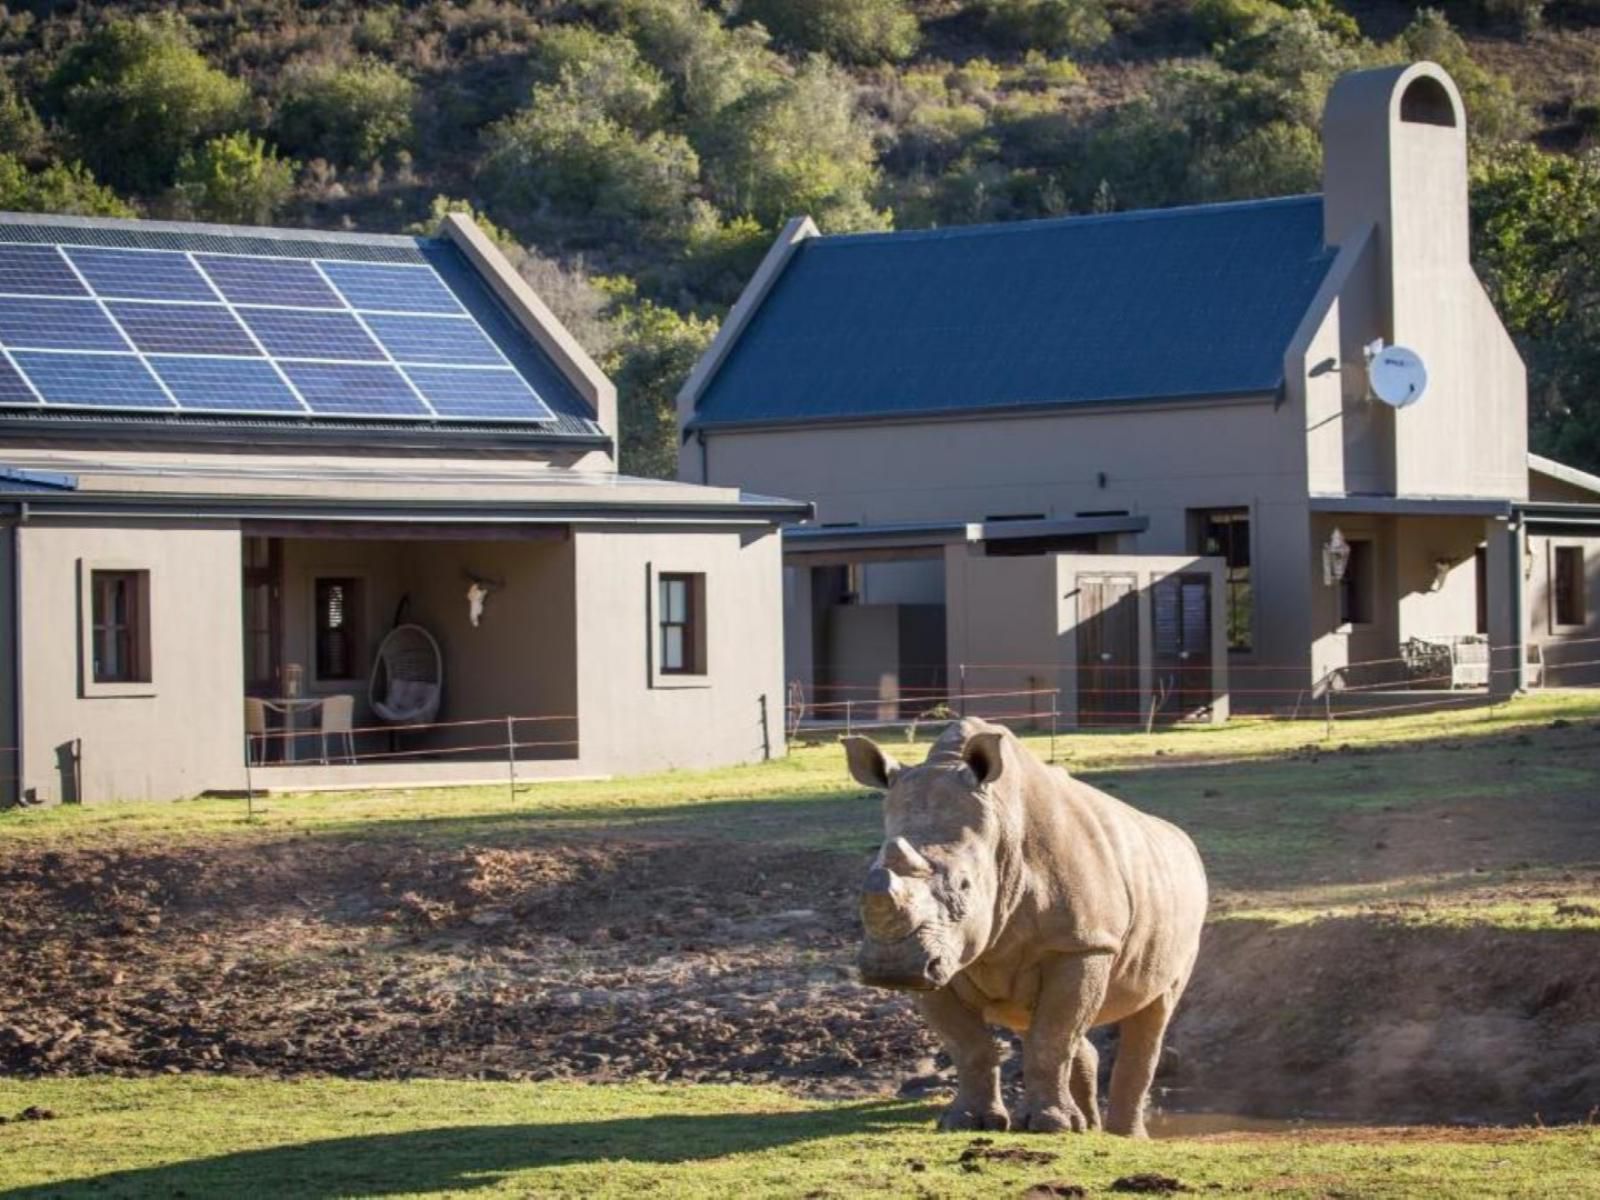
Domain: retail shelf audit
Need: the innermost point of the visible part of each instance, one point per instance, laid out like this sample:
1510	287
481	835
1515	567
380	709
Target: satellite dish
1396	375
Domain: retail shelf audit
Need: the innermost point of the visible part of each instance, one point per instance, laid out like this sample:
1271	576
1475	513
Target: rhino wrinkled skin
1009	893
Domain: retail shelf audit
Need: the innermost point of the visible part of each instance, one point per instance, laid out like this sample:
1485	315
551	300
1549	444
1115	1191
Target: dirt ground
689	957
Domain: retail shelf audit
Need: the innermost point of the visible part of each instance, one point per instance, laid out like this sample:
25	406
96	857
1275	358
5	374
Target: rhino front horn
901	857
885	906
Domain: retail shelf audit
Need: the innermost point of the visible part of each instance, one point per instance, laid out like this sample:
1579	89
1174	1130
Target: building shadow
469	1157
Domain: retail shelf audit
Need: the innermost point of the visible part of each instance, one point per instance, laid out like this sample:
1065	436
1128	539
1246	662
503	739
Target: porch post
1505	542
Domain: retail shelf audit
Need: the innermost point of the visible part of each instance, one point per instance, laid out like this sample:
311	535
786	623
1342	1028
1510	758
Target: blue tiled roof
1158	304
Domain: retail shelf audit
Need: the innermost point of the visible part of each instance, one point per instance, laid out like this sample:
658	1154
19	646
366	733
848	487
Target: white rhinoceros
1009	893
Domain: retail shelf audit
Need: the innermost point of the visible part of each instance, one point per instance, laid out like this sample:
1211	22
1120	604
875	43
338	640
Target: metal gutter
801	538
1420	506
318	437
985	413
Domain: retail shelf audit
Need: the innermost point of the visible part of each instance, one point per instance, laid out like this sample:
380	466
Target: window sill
119	691
667	682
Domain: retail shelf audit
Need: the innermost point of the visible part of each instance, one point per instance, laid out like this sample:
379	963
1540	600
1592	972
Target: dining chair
338	722
256	730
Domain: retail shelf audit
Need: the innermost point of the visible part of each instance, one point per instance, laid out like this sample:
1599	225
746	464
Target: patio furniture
407	678
290	708
255	730
338	723
1454	662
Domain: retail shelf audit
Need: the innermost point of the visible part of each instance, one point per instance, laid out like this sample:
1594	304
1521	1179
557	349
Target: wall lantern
1335	558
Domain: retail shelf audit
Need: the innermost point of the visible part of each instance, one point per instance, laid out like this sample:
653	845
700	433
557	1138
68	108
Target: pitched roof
570	415
1157	304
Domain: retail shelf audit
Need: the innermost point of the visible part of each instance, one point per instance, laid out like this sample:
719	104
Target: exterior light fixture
1335	558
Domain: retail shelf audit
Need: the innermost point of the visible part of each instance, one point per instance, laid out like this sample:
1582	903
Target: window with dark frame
338	627
120	618
1225	533
1355	589
1569	586
680	613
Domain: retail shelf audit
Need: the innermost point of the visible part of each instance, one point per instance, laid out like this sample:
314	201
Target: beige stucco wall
631	722
188	734
1571	654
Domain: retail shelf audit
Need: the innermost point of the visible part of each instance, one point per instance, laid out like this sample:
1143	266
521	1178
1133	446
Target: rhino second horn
886	906
901	857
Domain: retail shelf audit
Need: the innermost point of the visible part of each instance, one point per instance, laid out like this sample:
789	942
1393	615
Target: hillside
638	154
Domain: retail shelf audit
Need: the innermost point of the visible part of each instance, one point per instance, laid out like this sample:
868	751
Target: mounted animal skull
478	590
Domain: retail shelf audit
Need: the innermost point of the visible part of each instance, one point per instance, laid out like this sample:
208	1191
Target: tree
655	351
1079	25
58	188
136	94
235	178
798	147
21	131
1536	245
856	31
350	115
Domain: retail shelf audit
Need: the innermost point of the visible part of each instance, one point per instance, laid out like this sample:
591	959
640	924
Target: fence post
847	723
1327	712
961	696
766	733
511	758
1054	704
249	784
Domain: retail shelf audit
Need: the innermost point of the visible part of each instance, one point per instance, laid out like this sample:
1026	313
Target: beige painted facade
567	643
1433	489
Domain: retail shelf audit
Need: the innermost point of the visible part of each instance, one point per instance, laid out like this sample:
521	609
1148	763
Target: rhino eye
966	884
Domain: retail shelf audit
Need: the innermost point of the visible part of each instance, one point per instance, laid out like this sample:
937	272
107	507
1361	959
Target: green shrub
350	115
136	94
235	178
856	31
1049	25
655	351
58	188
21	131
605	72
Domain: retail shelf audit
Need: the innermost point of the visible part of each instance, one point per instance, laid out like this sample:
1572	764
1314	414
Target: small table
290	707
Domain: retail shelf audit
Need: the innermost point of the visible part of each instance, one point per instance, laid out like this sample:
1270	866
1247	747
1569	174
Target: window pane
672	648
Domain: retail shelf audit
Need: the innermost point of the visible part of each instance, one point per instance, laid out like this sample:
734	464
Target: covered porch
407	652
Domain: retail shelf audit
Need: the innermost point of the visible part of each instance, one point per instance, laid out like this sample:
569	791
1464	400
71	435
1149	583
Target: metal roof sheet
1157	304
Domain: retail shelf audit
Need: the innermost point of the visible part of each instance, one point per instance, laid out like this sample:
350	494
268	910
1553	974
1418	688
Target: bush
136	94
856	31
655	351
21	131
58	188
1494	113
605	72
800	147
235	178
1049	25
351	115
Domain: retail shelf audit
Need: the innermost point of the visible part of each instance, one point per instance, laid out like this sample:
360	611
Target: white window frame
88	686
661	678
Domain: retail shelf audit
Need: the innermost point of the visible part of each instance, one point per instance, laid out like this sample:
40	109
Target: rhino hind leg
971	1047
1084	1082
1139	1041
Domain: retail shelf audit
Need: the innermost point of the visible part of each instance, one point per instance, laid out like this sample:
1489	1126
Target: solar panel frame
34	270
327	389
478	393
48	323
14	386
383	287
183	329
65	379
445	341
241	386
112	273
283	282
290	334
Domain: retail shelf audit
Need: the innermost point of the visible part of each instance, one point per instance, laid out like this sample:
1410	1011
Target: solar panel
287	333
37	271
348	389
140	274
92	380
38	324
485	394
111	326
226	384
434	340
378	287
290	281
183	328
13	388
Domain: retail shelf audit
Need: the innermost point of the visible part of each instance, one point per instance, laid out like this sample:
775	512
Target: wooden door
1180	619
263	615
1108	650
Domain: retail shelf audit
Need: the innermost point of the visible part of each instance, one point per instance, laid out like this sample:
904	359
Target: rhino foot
958	1118
1052	1119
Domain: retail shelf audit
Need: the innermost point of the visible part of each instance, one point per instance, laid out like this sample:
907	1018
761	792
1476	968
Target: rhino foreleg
971	1047
1139	1040
1071	992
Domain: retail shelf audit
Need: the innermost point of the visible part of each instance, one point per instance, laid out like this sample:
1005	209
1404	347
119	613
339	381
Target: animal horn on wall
901	857
886	905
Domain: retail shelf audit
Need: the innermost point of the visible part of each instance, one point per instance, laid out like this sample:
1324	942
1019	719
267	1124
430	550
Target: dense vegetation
637	155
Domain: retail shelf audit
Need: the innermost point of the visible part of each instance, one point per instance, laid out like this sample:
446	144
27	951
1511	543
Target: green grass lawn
221	1137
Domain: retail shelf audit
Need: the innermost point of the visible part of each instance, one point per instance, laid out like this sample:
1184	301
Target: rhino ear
870	766
984	754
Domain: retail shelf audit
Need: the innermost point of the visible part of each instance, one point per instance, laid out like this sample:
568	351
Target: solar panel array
163	330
